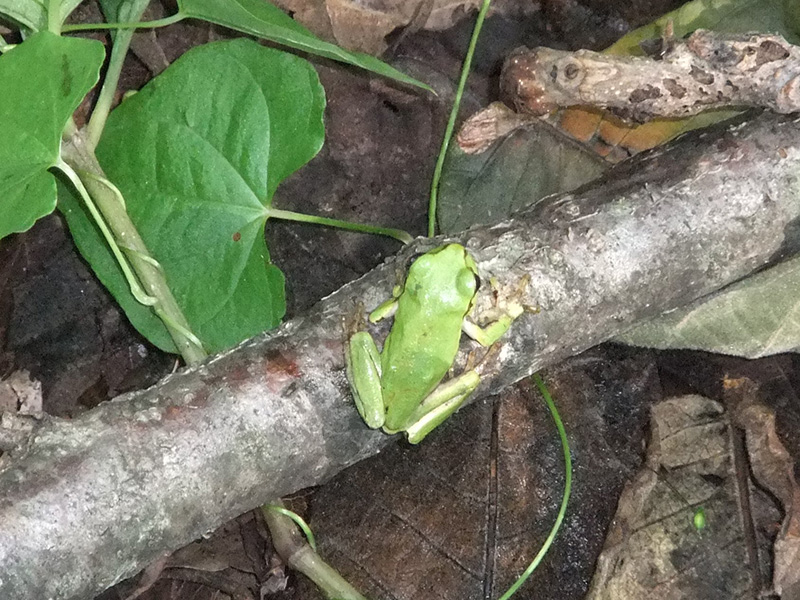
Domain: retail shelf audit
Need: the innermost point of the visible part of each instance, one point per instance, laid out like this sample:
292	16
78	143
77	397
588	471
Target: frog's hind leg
443	402
365	381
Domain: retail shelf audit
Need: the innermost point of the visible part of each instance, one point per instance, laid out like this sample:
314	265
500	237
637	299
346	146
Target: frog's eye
467	283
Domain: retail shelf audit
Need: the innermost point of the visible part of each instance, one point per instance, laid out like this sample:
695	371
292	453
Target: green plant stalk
298	520
451	122
154	24
562	433
122	41
54	16
94	129
76	154
287	215
301	557
133	282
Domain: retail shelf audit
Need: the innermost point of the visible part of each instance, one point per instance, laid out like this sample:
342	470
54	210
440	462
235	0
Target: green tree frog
400	388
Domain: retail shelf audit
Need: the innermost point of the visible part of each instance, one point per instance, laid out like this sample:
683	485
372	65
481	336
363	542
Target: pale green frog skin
399	388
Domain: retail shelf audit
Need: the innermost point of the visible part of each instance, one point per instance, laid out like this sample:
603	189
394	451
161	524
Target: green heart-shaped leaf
198	154
42	81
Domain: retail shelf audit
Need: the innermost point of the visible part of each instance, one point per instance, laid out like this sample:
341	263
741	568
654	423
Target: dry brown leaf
773	468
653	550
363	26
488	125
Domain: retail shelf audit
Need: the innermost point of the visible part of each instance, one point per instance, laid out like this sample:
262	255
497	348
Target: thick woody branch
87	502
706	71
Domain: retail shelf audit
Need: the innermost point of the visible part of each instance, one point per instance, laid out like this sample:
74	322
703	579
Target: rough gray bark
708	70
88	502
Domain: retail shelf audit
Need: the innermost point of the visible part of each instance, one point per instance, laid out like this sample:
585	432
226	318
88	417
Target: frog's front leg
440	404
363	363
501	318
449	396
489	334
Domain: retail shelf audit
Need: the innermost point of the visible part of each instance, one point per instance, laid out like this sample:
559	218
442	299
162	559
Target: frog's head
448	274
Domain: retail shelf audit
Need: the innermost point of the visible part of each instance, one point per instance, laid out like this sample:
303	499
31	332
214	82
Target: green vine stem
299	555
54	16
298	520
94	129
119	50
79	157
562	433
136	289
171	20
451	122
287	215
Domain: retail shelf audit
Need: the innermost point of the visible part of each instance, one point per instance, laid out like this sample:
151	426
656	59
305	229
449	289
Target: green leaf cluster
197	155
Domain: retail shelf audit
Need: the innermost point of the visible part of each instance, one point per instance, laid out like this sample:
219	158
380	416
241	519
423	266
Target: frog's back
413	364
425	336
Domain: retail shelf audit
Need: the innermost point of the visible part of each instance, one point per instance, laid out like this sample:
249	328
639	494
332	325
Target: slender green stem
94	129
298	520
300	556
122	41
325	577
451	122
564	499
171	20
136	289
111	206
288	215
54	16
133	283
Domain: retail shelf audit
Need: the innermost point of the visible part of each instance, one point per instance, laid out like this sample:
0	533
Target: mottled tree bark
708	70
87	502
